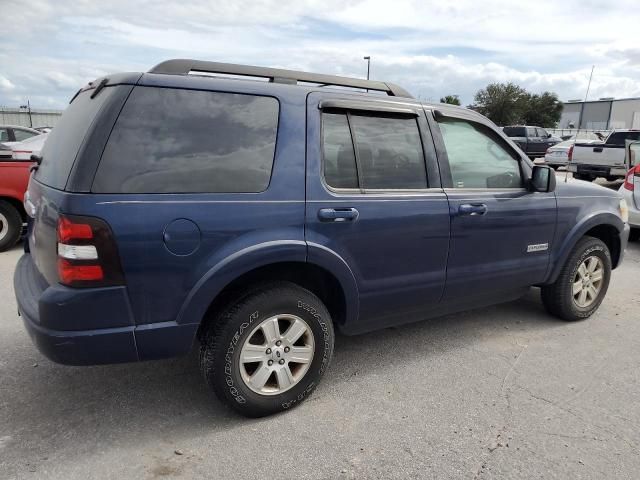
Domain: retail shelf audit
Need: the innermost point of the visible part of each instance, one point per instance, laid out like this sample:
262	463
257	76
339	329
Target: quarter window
187	141
388	150
477	156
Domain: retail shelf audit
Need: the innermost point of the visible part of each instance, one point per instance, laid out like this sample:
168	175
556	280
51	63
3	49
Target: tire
634	235
240	324
10	225
558	297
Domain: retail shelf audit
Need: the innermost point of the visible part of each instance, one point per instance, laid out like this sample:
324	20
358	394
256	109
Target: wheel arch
324	274
604	226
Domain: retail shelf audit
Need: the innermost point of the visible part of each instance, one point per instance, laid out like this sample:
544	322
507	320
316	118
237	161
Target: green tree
543	110
509	104
503	103
451	100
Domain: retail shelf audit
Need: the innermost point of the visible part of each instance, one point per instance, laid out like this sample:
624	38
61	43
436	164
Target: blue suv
256	211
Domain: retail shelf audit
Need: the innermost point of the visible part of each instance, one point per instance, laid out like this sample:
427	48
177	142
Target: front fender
575	234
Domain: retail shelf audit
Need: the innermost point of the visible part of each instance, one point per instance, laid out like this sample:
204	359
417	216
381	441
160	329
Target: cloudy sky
48	49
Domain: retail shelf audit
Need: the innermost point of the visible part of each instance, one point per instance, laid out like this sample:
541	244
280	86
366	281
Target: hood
579	188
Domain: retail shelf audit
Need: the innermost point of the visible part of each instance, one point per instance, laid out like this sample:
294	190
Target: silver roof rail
275	75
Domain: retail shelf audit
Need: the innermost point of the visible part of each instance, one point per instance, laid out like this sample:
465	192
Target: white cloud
431	48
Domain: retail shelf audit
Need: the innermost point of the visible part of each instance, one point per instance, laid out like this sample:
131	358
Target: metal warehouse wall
625	114
40	117
570	115
595	115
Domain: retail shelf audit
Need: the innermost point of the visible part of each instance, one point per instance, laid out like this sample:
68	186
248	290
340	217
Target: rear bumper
597	170
53	314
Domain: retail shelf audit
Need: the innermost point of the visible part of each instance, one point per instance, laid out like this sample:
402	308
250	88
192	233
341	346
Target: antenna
586	95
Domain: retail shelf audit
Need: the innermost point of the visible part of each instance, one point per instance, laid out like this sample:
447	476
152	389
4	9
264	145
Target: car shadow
62	406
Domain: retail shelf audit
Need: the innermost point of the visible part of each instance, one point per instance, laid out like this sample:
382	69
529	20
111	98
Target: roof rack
275	75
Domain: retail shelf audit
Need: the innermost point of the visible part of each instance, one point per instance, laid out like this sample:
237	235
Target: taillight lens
570	153
87	254
629	177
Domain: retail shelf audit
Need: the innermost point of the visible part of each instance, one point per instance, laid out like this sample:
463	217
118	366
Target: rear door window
22	135
388	152
514	131
187	141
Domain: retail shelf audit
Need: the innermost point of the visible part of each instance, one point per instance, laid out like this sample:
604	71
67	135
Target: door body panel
397	245
506	248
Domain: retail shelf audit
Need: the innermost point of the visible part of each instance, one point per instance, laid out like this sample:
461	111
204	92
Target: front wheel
582	283
268	350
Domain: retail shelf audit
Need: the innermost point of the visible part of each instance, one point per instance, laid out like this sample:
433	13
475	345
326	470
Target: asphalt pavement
500	392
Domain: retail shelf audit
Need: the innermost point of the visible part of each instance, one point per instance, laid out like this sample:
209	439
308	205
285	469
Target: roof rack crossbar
275	75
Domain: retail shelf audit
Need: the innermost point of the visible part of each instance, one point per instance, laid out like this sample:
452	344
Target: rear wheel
268	350
10	225
582	283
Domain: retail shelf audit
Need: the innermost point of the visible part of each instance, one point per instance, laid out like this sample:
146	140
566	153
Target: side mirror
549	135
543	179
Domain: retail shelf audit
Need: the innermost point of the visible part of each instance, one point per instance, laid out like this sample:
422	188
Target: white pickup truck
589	161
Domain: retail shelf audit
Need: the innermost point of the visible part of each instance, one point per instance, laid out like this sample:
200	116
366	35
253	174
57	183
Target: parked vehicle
630	189
558	155
14	177
10	134
22	151
534	141
257	217
589	161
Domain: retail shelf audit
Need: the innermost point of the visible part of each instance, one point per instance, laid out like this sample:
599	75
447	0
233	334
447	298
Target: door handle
338	214
472	209
597	149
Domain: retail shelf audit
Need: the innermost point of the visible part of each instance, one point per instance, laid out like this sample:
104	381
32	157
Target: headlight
624	210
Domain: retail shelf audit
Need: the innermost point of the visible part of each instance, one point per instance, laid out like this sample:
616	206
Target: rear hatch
67	158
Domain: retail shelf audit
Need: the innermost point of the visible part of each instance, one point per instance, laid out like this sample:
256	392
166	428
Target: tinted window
23	134
4	135
187	141
514	131
531	132
389	152
618	138
62	145
337	148
477	156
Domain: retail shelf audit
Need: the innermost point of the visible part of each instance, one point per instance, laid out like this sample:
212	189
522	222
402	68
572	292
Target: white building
602	114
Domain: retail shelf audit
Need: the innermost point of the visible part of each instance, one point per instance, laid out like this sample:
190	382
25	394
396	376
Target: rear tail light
570	153
87	253
629	177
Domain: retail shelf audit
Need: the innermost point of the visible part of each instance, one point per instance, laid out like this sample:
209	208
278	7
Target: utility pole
368	59
28	108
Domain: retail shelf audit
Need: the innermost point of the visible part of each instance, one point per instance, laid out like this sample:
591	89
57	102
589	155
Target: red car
14	176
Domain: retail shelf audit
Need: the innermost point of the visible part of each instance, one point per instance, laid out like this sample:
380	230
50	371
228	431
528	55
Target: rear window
618	138
188	141
62	145
514	131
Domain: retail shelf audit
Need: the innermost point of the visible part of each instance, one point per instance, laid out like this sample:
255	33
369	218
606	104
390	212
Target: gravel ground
501	392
